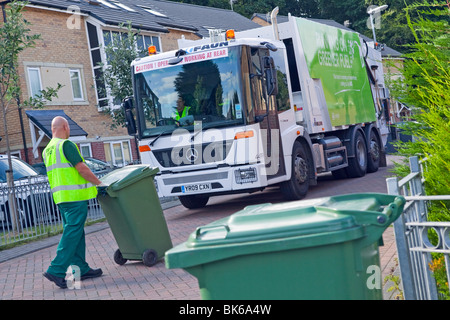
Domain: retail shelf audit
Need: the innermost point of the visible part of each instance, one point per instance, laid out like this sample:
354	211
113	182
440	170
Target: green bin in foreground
325	248
133	210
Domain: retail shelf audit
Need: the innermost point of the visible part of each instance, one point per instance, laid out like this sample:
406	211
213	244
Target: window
153	12
34	76
117	3
75	80
85	150
144	41
99	39
94	45
41	75
106	3
118	152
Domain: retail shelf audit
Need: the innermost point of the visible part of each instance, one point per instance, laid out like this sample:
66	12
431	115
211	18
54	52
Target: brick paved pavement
21	274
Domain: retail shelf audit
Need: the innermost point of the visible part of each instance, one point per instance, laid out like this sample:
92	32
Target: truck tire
297	187
193	201
357	165
374	152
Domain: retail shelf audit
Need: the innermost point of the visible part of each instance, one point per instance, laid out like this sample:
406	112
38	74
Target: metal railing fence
27	211
412	234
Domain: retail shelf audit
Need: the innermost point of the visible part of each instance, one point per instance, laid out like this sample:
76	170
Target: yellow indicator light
151	50
244	134
229	35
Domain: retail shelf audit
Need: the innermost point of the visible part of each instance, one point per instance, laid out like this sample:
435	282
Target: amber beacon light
229	35
151	50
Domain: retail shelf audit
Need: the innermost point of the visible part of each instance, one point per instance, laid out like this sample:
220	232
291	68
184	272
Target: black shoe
92	273
60	282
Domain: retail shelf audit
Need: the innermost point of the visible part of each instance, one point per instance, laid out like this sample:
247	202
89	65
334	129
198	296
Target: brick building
73	33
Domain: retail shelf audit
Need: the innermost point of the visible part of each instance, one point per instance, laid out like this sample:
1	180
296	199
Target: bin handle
393	208
212	232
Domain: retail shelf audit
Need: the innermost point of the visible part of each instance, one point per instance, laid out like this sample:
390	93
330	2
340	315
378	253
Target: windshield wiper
203	128
154	140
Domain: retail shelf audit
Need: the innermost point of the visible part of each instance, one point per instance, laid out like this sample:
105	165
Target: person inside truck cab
181	110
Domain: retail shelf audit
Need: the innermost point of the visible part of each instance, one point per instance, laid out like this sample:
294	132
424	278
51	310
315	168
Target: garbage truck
271	106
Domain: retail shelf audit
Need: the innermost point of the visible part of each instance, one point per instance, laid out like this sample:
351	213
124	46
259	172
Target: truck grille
194	154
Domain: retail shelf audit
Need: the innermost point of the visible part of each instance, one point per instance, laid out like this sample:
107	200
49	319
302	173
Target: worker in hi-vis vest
72	184
181	110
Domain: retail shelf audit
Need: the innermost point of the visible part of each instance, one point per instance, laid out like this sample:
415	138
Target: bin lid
284	226
123	177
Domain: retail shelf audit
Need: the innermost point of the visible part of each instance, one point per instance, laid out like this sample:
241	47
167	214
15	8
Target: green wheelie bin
133	211
324	249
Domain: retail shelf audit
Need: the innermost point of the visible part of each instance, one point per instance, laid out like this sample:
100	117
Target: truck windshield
203	89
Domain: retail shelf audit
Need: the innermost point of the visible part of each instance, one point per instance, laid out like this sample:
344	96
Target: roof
204	18
163	14
43	120
387	51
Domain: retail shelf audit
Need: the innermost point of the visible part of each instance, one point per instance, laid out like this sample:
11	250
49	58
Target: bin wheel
149	257
118	258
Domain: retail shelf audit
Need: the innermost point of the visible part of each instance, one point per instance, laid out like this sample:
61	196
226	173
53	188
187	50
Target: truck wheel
193	201
297	187
357	165
373	159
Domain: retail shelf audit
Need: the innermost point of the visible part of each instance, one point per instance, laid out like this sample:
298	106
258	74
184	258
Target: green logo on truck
335	57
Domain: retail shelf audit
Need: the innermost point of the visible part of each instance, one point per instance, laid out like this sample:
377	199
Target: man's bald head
60	128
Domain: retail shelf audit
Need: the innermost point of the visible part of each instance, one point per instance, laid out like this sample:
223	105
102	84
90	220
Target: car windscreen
20	169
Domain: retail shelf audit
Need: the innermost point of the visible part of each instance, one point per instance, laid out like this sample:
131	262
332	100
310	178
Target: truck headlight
245	175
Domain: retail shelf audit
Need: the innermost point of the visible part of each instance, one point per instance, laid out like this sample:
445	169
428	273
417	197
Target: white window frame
113	158
86	145
80	83
32	94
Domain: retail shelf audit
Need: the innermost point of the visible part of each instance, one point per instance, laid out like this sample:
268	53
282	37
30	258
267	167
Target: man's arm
86	173
72	154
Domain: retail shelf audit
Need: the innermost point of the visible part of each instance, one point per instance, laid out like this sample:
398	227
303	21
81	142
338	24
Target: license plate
196	187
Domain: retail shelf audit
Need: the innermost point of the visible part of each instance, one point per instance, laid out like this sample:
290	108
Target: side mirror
127	103
127	106
177	59
271	76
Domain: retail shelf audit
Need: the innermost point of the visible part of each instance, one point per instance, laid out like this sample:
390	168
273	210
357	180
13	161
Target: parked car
31	193
97	166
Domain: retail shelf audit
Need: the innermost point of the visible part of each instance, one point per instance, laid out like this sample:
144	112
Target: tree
14	39
120	52
426	87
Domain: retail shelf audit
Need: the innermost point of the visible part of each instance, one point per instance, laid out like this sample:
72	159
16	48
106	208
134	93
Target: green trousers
72	246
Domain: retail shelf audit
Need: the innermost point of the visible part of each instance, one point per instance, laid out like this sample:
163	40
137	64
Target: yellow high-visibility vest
177	115
66	183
